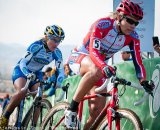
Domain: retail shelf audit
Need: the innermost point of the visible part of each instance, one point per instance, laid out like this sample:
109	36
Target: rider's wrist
141	80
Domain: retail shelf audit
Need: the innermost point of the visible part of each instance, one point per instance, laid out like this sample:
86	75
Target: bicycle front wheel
128	121
55	118
45	106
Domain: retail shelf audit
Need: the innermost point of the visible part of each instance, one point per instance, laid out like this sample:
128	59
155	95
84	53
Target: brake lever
151	93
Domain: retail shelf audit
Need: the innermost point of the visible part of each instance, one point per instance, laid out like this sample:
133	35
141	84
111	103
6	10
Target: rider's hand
31	76
109	71
148	85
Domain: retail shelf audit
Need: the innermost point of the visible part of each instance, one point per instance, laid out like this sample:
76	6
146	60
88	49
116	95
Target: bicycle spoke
44	107
56	121
55	118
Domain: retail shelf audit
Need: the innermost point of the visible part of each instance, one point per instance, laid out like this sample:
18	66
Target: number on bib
58	64
96	44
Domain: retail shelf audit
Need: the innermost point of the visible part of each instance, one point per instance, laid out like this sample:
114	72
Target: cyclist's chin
127	32
52	48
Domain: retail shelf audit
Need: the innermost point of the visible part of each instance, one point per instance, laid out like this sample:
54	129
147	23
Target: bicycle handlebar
140	101
27	86
113	80
145	95
128	83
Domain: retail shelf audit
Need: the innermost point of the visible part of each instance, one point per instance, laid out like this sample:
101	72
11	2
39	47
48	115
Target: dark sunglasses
54	39
130	21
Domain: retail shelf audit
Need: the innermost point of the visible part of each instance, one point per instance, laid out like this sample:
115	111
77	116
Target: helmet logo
50	31
60	31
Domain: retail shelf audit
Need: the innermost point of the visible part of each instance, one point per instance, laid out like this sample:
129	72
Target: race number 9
96	44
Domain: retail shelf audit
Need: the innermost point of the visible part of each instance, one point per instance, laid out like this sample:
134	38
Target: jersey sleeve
23	63
33	48
59	67
137	60
95	43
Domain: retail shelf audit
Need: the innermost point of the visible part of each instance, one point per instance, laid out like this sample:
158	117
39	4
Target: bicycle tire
27	119
56	113
127	114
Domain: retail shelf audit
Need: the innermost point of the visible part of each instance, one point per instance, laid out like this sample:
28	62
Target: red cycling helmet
131	9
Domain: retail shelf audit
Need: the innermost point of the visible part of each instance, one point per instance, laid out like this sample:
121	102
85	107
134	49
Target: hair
53	70
48	69
45	39
114	15
67	65
128	52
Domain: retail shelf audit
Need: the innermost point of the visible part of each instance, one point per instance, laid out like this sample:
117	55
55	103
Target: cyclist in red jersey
105	37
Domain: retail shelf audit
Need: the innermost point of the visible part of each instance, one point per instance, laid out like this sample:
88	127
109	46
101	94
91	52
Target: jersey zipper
113	42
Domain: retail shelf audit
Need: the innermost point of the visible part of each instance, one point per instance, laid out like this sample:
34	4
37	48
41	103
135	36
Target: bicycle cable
122	91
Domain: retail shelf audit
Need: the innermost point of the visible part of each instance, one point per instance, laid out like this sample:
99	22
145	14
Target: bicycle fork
111	115
111	111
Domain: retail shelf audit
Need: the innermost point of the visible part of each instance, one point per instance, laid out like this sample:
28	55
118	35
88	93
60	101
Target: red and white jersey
103	41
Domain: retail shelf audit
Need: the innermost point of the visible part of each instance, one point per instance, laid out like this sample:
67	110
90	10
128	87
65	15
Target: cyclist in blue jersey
38	54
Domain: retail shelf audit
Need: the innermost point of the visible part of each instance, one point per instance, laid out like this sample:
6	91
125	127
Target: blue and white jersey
37	57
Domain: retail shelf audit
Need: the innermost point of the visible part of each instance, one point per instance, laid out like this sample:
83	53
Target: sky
24	21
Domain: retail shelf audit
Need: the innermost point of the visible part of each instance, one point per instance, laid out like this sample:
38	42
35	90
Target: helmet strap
45	46
120	30
119	23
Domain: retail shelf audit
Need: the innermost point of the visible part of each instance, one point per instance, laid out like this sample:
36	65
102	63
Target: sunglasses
130	21
54	39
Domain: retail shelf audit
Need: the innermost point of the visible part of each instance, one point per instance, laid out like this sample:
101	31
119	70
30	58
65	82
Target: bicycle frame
37	99
108	110
20	109
34	104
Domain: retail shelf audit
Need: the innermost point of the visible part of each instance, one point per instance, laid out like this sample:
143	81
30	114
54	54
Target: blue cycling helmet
54	31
